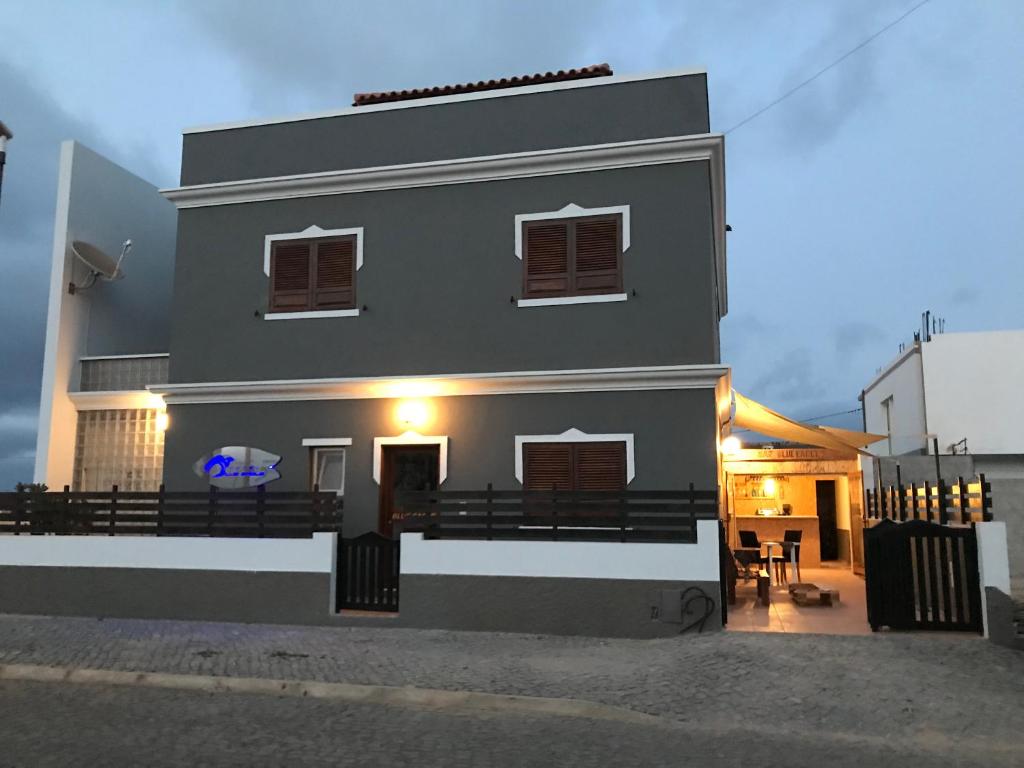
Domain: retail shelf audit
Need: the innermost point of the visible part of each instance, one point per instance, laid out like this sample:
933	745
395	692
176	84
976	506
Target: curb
424	698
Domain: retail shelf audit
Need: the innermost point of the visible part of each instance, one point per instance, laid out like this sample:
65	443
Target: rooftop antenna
99	263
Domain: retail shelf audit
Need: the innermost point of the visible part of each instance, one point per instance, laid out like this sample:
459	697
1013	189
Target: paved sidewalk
945	692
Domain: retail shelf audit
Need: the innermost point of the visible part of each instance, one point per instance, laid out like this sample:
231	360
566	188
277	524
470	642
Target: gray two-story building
516	283
519	286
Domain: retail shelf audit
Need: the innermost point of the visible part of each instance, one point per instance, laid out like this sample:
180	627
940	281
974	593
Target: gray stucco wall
1008	507
439	270
645	109
107	206
674	438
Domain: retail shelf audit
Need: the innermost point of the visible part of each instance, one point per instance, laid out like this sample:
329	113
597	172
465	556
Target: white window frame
572	211
573	435
310	233
317	443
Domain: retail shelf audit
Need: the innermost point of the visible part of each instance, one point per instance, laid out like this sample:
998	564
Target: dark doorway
405	468
825	491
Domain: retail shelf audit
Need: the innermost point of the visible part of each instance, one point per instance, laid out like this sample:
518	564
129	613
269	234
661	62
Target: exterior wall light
162	421
731	446
412	414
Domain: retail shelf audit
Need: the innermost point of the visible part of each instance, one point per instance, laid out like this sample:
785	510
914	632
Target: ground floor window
119	447
329	469
591	466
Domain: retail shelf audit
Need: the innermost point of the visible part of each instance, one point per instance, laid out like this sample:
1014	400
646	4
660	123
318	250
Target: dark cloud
787	377
317	54
27	208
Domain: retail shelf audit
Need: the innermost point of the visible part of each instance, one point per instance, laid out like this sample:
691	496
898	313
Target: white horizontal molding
434	101
412	438
573	435
326	442
116	400
515	382
309	233
573	211
674	149
311	315
555	301
124	357
681	562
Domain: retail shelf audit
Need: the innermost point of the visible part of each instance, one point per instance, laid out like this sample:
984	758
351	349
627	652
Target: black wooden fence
648	516
254	514
922	575
367	573
940	502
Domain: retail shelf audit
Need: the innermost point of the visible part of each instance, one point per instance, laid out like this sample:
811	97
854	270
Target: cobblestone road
959	695
53	724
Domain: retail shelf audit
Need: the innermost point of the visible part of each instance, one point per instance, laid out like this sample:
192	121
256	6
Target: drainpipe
5	134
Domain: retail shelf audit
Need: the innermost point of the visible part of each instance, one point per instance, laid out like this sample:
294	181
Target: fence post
940	498
160	511
112	523
67	512
19	510
314	519
260	490
902	492
210	503
986	502
554	512
490	508
927	501
962	501
913	501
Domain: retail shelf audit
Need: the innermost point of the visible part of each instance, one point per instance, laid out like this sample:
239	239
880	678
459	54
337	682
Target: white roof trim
116	400
450	99
310	232
451	385
326	442
413	438
461	170
573	435
124	357
572	211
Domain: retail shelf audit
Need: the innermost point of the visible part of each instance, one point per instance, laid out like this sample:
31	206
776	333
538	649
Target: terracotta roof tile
582	73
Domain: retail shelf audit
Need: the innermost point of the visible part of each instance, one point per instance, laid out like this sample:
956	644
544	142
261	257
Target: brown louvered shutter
598	264
335	274
546	259
289	277
547	466
600	466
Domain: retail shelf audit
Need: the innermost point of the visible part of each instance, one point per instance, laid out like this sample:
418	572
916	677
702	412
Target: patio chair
791	541
748	555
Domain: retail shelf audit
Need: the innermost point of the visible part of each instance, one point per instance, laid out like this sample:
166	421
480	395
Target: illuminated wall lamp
162	421
731	446
412	414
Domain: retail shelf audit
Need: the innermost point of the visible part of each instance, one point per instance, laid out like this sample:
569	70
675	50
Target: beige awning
759	418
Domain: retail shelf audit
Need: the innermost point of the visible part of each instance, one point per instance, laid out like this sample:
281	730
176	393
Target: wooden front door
405	468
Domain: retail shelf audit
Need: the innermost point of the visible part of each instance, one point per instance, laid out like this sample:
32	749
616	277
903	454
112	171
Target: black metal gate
922	575
368	573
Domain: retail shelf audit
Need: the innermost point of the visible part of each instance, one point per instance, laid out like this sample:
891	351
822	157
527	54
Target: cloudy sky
892	184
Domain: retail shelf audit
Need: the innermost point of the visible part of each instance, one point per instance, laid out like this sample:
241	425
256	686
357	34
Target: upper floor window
572	256
313	275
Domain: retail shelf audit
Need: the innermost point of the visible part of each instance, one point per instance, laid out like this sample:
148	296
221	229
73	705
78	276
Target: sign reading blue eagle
236	466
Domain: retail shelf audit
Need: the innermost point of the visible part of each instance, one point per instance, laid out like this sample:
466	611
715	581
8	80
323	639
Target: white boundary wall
993	563
315	555
566	559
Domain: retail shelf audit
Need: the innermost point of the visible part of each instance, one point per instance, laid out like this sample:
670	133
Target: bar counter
774	527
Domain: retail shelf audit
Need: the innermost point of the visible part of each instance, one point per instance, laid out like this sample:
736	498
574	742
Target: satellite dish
99	262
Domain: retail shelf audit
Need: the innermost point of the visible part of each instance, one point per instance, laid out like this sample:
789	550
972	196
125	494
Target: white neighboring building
963	389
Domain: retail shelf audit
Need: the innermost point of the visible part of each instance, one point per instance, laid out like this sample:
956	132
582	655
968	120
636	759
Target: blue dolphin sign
237	466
